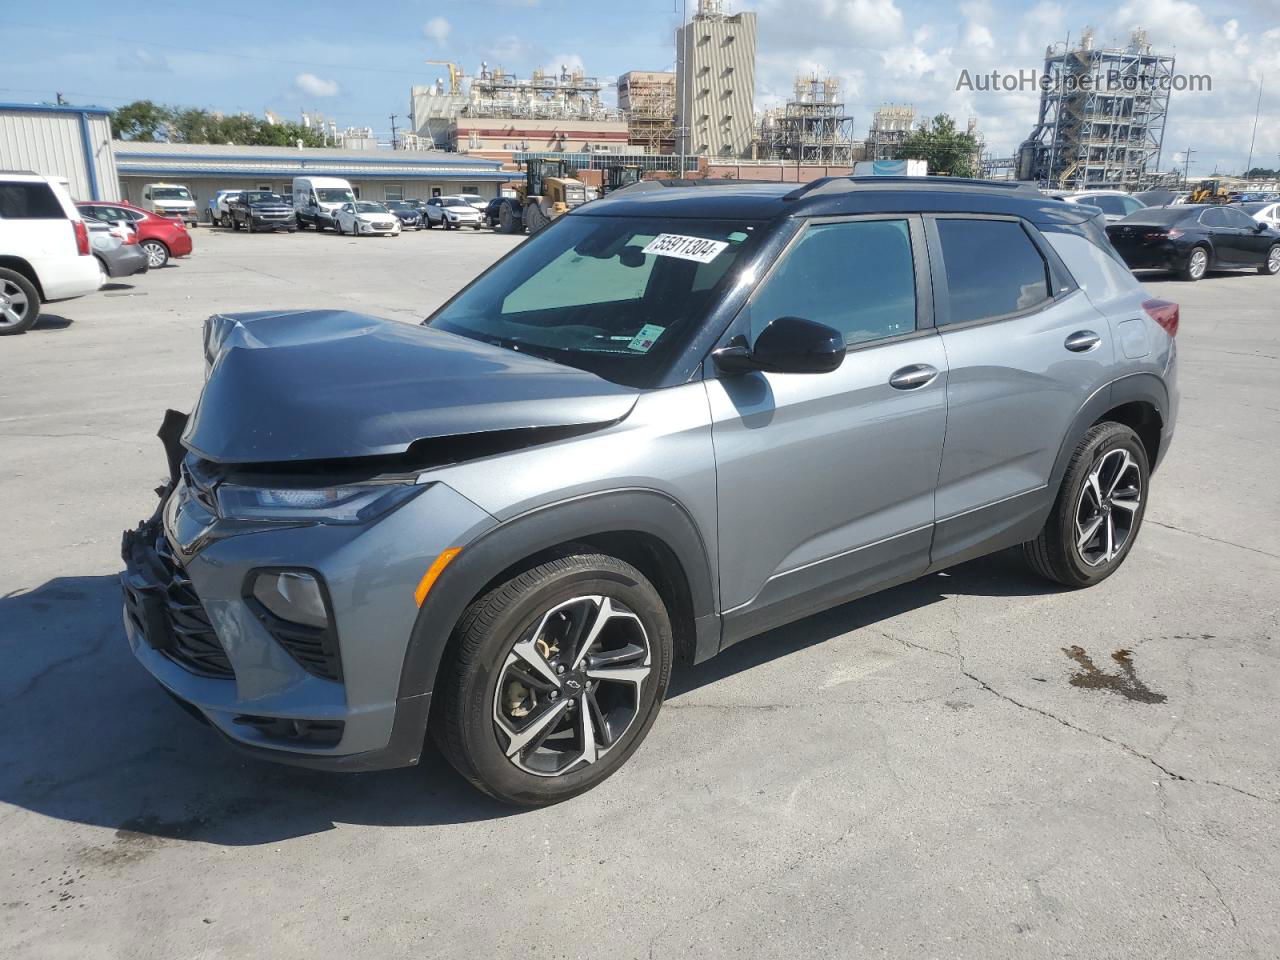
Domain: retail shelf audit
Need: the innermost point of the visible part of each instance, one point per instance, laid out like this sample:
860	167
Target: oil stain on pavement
1125	683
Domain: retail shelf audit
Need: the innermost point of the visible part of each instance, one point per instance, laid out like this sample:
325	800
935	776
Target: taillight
1164	313
82	238
130	236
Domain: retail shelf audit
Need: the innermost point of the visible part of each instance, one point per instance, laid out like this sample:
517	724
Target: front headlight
350	503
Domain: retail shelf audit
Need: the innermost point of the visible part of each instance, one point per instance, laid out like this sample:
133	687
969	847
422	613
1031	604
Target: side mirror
787	345
1259	227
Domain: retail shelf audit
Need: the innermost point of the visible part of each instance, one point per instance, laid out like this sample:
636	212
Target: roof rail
830	185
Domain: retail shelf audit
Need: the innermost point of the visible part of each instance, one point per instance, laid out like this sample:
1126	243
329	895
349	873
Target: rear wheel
1271	266
157	254
1197	264
19	302
1099	509
535	219
559	674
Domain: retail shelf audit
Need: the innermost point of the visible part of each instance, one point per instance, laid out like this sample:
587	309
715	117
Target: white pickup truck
45	251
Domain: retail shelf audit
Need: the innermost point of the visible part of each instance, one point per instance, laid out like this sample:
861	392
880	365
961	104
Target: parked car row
52	248
329	203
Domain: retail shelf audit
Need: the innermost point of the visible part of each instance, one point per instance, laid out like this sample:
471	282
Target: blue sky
289	55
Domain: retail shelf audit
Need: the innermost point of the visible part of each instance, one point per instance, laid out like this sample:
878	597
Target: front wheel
1271	266
1098	512
556	677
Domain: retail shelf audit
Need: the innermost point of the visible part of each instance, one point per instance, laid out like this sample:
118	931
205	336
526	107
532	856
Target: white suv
45	253
452	213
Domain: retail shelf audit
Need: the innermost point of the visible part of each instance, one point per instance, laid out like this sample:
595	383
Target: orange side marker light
433	573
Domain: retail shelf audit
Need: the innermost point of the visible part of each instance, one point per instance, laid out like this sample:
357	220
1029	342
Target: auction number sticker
698	249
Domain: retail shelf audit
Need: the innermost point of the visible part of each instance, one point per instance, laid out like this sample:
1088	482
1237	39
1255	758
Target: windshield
617	296
170	193
1163	214
399	205
261	196
367	206
453	202
333	195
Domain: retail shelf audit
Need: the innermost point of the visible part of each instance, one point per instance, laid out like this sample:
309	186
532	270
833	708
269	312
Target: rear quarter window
29	201
993	269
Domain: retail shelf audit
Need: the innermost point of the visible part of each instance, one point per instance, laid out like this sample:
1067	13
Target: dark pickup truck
256	210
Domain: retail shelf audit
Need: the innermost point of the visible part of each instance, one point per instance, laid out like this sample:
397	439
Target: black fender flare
498	548
1135	387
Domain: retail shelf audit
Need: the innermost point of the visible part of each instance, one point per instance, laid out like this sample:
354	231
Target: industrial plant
1102	116
813	127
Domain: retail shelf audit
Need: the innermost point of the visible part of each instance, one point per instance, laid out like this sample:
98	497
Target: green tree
947	151
141	120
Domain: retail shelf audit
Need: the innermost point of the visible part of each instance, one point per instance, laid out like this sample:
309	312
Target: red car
161	237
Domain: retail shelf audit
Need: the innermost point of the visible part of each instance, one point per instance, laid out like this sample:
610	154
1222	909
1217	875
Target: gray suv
678	417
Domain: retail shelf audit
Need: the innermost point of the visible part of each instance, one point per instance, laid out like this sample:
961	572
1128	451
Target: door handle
913	377
1082	341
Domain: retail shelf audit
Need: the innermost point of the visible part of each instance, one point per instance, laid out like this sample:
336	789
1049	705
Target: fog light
292	595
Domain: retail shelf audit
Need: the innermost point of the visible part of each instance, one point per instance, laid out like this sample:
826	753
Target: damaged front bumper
324	697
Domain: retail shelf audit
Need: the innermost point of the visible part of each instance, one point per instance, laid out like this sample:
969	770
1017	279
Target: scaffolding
811	128
648	101
890	127
1102	116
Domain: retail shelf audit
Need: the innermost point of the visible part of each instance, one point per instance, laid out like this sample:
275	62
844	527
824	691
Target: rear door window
857	277
23	200
993	269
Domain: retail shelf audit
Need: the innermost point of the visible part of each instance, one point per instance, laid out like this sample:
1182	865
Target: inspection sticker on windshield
686	248
643	341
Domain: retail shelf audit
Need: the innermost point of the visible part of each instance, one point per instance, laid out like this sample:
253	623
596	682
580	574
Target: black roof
831	196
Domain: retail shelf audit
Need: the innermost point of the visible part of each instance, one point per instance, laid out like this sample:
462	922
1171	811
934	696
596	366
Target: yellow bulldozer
547	192
1209	191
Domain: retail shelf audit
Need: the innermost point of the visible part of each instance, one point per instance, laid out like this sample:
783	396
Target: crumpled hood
328	384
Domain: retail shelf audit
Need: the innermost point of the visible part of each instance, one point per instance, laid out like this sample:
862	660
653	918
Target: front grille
164	607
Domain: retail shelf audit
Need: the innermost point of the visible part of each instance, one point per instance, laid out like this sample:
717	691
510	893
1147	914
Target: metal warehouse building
374	175
58	141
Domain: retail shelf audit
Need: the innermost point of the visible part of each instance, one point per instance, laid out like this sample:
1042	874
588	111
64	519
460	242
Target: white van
45	251
316	200
170	200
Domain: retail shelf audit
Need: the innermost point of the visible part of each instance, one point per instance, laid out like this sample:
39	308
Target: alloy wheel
569	688
157	256
1108	507
1199	262
13	304
1273	260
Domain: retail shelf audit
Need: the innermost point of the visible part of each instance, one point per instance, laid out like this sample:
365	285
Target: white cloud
144	60
315	86
437	29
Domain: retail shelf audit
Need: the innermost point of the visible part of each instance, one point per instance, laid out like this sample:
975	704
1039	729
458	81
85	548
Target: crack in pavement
1205	536
1132	751
1186	858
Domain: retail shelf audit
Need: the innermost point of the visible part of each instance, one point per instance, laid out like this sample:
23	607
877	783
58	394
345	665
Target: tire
1197	264
248	225
19	303
479	688
104	275
535	219
1271	265
506	219
157	254
475	226
1074	550
235	223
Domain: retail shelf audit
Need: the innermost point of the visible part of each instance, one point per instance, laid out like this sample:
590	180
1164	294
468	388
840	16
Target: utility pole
1256	110
393	131
1186	165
